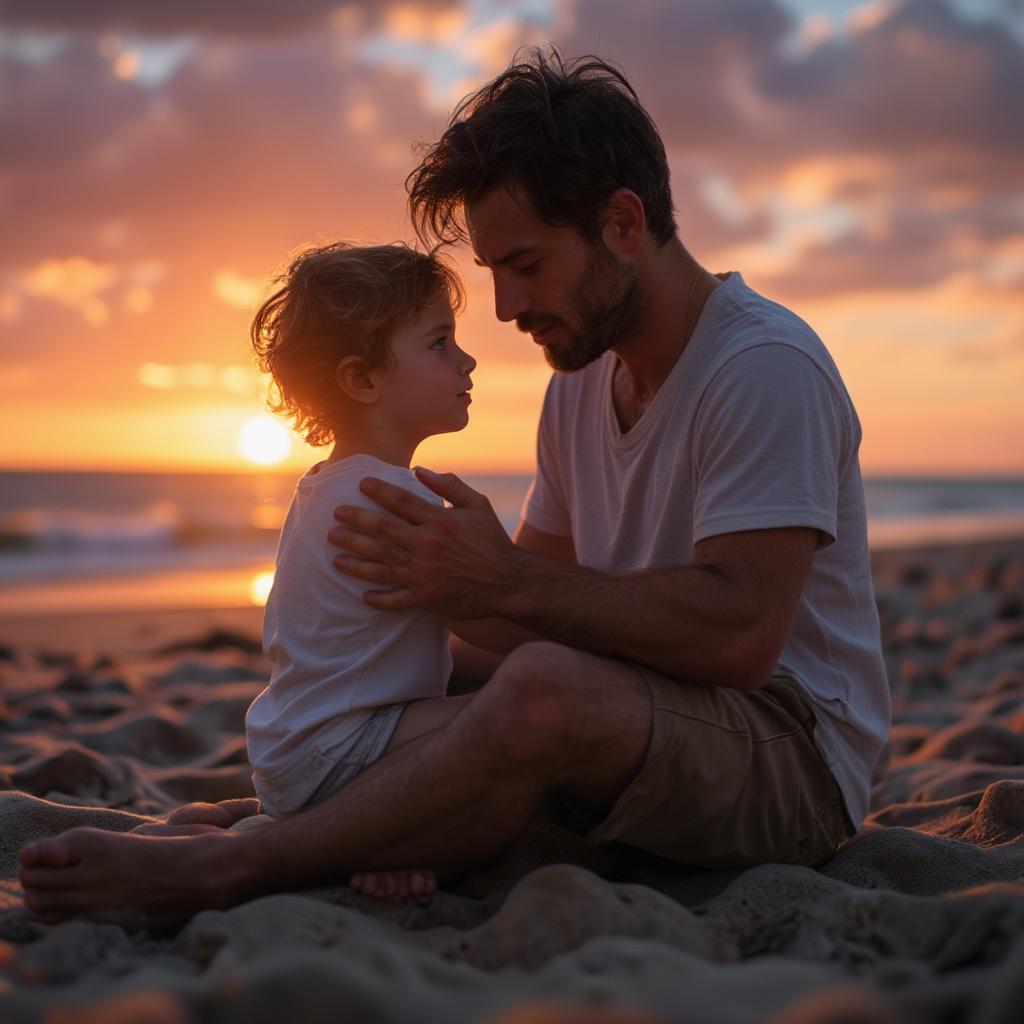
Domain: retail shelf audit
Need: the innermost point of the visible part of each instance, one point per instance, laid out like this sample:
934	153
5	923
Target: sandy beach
112	720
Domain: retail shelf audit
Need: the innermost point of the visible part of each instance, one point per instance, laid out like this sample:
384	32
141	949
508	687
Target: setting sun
264	440
259	588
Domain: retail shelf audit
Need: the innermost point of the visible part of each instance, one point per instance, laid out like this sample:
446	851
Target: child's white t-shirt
335	659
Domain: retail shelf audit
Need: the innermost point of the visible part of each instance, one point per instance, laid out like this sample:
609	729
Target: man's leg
420	718
473	667
551	720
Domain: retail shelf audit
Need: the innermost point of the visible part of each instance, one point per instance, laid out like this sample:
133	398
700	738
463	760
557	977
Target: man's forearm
498	635
692	622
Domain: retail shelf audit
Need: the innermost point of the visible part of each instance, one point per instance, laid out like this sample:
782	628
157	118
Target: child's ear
354	380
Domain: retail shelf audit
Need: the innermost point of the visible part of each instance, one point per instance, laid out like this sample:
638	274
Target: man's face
576	299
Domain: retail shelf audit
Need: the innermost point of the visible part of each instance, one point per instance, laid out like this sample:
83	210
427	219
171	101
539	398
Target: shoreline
122	630
976	547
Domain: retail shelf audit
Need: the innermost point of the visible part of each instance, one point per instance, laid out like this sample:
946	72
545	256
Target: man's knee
533	698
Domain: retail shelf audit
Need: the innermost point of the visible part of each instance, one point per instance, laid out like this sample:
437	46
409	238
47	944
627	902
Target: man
693	661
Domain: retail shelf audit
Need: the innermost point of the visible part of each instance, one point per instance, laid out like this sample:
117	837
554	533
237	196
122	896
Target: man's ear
355	381
623	222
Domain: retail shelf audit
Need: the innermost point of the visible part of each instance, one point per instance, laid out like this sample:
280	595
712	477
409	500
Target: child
360	343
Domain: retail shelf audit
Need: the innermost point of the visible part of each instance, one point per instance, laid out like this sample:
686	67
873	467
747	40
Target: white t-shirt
752	429
335	659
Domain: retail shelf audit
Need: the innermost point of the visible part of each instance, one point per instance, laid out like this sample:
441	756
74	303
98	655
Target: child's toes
424	882
395	884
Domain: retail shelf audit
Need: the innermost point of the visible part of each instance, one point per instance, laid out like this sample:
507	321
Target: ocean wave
40	528
157	527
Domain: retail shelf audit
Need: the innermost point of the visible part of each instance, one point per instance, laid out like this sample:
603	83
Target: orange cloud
238	380
237	290
75	283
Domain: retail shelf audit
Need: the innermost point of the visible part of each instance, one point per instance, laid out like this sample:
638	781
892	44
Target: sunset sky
861	162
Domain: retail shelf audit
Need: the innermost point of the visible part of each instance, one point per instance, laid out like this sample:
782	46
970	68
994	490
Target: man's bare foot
395	885
96	873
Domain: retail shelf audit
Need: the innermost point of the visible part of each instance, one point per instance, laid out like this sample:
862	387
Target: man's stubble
607	308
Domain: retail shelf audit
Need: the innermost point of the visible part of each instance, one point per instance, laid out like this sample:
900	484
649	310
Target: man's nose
509	301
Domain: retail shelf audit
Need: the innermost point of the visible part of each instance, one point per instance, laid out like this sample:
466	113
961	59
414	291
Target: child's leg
425	716
420	718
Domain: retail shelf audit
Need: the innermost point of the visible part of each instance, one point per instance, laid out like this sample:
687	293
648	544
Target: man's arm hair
721	621
503	635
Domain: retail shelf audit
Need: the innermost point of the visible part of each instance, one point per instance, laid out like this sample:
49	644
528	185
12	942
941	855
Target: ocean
72	542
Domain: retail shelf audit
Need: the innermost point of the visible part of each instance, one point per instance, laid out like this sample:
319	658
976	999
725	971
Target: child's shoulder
340	480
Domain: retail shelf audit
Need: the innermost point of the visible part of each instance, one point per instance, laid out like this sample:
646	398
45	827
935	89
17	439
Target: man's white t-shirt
753	429
335	659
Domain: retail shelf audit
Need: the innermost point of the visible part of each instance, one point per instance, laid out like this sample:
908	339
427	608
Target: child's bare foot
395	885
225	813
191	819
160	828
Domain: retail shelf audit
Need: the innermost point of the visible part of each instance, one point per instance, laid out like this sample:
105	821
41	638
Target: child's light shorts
326	771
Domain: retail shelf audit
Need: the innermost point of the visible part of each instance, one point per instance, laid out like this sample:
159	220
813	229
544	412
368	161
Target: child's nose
468	363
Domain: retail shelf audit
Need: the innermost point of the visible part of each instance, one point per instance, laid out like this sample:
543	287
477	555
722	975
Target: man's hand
451	561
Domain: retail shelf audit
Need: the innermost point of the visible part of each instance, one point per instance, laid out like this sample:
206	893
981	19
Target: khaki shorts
730	779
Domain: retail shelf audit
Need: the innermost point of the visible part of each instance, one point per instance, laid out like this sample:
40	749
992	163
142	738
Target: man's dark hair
568	133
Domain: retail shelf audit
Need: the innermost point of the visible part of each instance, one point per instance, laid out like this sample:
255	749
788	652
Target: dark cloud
919	80
679	56
53	113
230	18
914	252
926	99
719	81
258	136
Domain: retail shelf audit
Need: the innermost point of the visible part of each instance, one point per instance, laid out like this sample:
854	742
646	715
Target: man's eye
530	268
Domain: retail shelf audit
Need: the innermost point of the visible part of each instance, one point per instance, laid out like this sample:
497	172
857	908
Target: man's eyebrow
508	257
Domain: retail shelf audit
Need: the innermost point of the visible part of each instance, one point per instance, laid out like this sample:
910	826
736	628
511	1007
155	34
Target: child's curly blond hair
339	300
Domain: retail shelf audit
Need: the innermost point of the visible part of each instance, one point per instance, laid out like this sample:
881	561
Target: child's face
426	389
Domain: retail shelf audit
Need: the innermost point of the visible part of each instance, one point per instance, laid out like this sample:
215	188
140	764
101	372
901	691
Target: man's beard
608	310
607	307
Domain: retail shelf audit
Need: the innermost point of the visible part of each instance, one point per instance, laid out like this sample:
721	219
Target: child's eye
440	343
